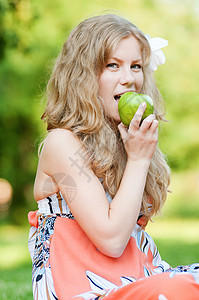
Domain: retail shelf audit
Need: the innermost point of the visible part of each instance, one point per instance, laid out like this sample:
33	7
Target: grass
15	283
177	240
15	264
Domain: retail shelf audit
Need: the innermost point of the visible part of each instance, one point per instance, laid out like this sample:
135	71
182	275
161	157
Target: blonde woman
99	182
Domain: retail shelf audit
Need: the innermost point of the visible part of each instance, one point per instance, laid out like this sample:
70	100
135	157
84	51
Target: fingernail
152	117
143	104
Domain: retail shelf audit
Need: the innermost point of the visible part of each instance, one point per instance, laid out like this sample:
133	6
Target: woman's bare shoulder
60	135
59	147
60	141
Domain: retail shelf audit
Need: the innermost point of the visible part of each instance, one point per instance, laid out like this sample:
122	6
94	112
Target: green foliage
31	36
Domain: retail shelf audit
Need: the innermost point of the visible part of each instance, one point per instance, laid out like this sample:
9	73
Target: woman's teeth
117	98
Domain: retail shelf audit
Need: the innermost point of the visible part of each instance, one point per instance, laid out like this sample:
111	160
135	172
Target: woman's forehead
114	47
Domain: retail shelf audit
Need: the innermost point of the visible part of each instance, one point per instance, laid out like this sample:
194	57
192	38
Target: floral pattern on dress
43	287
43	239
42	281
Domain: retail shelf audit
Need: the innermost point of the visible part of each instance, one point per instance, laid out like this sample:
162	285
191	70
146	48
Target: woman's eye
136	67
112	66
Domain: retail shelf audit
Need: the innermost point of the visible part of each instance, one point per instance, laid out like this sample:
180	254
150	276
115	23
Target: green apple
129	103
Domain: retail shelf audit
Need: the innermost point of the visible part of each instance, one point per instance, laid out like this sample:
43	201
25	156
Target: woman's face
122	73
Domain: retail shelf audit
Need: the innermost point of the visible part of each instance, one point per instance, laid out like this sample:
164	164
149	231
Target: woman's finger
147	123
154	127
135	122
123	131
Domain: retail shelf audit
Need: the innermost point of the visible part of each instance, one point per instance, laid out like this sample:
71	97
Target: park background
31	36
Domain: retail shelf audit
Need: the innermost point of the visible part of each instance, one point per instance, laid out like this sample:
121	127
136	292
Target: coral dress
67	265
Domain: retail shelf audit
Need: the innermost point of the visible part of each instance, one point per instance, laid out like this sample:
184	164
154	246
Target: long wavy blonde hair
73	103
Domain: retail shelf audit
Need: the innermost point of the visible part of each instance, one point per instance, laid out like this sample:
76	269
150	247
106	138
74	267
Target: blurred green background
31	36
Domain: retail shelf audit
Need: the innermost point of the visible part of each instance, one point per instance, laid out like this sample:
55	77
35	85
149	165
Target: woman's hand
140	140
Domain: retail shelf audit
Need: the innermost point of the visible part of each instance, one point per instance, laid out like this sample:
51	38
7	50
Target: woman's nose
127	77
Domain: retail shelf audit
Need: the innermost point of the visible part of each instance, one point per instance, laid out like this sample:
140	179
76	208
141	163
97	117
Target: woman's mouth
117	97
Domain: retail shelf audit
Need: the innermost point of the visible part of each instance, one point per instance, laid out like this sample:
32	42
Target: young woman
99	182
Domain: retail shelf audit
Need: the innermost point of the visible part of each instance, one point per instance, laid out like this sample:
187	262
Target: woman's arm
108	226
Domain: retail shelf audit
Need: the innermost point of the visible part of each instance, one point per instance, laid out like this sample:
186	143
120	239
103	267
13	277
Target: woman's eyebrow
120	60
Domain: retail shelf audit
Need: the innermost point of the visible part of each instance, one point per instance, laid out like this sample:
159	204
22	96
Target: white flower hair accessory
157	55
